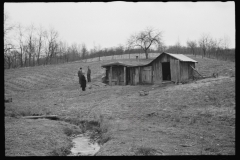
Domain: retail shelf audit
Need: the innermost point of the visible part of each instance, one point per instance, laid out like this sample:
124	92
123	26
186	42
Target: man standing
79	74
89	74
83	81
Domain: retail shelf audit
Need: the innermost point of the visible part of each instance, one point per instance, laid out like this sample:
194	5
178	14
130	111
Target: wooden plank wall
157	68
174	69
184	71
146	75
117	75
131	75
190	70
180	71
134	75
157	71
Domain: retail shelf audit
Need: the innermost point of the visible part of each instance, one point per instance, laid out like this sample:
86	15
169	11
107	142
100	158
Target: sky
111	24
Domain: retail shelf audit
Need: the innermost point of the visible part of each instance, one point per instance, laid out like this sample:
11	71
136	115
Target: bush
68	131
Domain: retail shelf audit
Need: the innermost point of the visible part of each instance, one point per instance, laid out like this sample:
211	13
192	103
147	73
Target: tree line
32	46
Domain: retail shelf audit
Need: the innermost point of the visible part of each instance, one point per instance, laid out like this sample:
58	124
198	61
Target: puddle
82	146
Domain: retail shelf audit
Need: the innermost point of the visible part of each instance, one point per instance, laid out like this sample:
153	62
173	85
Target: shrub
68	131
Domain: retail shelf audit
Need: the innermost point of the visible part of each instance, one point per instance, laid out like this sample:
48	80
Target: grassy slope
26	137
196	118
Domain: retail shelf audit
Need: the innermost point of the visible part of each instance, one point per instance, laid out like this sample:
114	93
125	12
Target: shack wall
146	75
134	75
152	73
184	71
157	68
174	69
117	75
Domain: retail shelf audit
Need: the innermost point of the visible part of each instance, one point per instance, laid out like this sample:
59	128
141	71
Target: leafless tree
203	44
145	39
178	46
226	43
31	43
39	42
192	45
7	28
51	44
161	47
218	46
62	50
84	50
225	46
20	38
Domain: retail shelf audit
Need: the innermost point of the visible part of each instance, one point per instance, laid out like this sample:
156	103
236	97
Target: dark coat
83	81
89	71
79	76
79	73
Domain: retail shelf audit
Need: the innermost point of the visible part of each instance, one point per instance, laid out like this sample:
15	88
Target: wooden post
124	76
139	73
152	74
179	72
110	76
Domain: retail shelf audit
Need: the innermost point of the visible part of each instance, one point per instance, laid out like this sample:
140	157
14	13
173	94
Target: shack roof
129	63
180	57
143	62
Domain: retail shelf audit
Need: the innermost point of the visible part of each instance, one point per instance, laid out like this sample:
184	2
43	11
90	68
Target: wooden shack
165	67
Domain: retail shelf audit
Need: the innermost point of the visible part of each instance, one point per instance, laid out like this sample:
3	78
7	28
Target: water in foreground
83	146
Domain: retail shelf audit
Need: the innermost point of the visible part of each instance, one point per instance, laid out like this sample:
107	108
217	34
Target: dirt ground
196	118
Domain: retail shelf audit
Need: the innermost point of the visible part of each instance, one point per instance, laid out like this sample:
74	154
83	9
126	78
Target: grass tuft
63	151
145	151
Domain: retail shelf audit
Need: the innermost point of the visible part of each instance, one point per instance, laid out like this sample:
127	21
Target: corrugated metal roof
129	63
143	62
181	57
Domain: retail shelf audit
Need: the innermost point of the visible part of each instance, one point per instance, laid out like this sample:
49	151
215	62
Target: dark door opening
127	76
166	74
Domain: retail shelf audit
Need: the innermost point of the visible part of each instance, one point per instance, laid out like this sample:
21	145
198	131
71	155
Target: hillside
193	118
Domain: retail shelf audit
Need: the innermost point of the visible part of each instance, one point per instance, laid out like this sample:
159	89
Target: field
196	118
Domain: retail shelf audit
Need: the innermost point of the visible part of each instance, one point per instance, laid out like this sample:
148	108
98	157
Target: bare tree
20	43
226	43
218	47
84	50
192	45
145	39
8	57
178	46
51	44
39	42
7	28
30	43
62	49
161	47
203	44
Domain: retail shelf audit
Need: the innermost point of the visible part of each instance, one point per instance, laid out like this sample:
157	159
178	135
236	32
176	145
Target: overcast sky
110	24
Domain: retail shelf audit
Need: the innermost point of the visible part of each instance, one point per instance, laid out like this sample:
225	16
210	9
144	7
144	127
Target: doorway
166	73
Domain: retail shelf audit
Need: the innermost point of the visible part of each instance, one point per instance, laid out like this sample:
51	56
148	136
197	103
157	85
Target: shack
165	67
